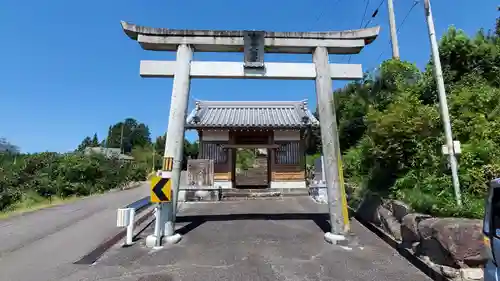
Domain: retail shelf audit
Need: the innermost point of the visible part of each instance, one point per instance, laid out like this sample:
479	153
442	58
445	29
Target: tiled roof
243	114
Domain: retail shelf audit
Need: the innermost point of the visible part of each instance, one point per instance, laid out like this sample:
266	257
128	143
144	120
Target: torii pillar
254	44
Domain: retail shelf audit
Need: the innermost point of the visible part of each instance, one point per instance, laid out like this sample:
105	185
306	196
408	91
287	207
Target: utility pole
394	33
121	139
154	152
443	104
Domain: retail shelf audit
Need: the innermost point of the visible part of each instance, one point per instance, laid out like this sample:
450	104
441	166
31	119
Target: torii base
152	240
336	239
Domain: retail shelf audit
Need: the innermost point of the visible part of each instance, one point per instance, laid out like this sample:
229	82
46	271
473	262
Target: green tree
86	142
497	26
190	150
160	144
377	90
462	55
128	134
397	150
245	158
147	157
95	141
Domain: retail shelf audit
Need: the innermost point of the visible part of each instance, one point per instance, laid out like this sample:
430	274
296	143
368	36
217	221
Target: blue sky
69	71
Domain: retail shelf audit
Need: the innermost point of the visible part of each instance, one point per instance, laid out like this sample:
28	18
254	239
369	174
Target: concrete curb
132	185
416	261
95	254
139	224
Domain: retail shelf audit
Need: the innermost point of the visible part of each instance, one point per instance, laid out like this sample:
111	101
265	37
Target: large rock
429	246
399	209
472	273
454	242
462	239
389	223
367	210
409	228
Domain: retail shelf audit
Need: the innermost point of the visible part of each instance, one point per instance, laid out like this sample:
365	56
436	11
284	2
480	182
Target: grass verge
32	203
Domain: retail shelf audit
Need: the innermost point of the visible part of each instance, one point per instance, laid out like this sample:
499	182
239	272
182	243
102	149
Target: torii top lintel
337	42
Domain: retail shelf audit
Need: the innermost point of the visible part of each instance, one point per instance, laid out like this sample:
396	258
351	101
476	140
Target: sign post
161	192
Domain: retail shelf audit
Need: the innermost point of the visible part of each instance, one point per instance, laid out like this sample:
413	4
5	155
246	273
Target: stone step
250	194
252	181
251	198
253	171
253	176
237	194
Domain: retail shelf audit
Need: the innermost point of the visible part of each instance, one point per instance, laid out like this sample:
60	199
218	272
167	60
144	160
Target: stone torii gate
254	44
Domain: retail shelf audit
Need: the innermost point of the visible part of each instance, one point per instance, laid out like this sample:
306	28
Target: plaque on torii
254	44
254	49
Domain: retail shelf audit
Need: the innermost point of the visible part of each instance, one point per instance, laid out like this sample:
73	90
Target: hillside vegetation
391	131
33	180
29	179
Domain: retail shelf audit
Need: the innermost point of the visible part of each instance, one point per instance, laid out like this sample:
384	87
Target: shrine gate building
280	127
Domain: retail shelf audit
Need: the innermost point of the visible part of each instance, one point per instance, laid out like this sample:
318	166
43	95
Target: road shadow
97	252
138	236
321	220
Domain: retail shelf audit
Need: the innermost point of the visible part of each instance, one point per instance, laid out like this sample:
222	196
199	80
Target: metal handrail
140	205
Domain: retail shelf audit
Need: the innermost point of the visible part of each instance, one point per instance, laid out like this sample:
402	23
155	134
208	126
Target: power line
401	24
323	12
364	13
374	14
335	2
378	7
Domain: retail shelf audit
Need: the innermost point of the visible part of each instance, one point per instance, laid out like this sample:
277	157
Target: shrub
29	178
392	129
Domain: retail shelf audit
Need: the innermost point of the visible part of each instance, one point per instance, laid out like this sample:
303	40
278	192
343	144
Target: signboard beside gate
200	174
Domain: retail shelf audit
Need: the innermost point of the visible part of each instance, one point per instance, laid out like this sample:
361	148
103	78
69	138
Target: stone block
409	227
389	223
367	210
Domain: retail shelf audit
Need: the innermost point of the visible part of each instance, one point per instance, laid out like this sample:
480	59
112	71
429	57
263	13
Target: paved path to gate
42	245
278	239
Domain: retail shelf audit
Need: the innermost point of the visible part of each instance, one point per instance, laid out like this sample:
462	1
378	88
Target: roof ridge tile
268	114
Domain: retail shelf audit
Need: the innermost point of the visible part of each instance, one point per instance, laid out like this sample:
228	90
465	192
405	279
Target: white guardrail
126	217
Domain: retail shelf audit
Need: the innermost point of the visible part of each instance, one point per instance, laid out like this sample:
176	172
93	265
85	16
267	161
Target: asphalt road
280	239
42	245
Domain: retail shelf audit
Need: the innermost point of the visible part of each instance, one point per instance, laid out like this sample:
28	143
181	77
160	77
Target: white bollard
126	218
130	228
123	217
